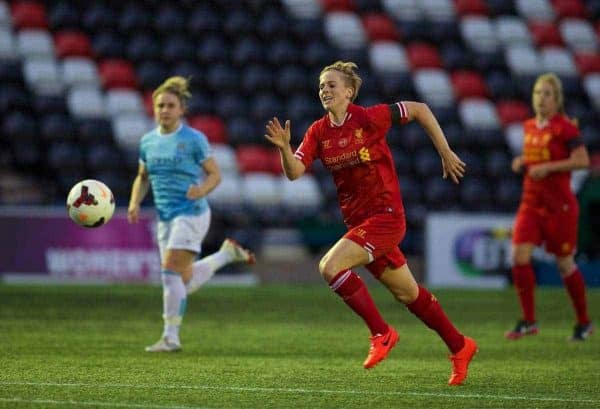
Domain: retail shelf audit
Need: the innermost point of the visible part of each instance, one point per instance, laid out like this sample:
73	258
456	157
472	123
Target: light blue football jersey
174	162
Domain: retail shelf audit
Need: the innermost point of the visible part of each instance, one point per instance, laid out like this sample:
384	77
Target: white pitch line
94	403
307	391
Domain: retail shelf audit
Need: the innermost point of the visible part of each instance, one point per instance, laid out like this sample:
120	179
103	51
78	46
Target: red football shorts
557	231
380	235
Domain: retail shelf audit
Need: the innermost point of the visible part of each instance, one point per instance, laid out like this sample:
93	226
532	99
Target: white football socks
205	268
174	304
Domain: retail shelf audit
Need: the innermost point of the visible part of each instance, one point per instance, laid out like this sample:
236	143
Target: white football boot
164	345
237	252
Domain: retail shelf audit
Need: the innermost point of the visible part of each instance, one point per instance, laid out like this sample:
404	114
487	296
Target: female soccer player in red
549	211
350	141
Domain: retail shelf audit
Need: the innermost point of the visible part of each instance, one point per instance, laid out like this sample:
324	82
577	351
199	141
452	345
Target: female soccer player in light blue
176	161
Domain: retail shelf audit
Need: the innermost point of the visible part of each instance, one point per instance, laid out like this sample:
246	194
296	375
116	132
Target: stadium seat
176	47
48	104
168	20
512	30
537	10
85	101
63	154
95	131
238	23
264	106
497	164
261	193
108	45
116	73
345	30
438	10
478	114
511	111
212	126
455	57
468	84
282	52
204	19
507	194
253	158
129	128
337	5
150	75
200	103
475	194
395	87
225	157
578	34
143	46
246	51
440	194
569	8
423	55
434	87
292	79
479	34
5	16
64	16
404	10
300	107
388	57
301	198
19	125
513	136
14	98
8	46
427	163
523	60
57	126
222	78
134	18
72	44
471	7
123	101
474	159
272	24
227	195
29	14
379	27
591	83
99	16
587	63
558	60
303	9
242	130
35	43
103	157
42	75
545	33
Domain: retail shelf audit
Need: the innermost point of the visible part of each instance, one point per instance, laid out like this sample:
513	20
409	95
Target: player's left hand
538	171
452	166
193	192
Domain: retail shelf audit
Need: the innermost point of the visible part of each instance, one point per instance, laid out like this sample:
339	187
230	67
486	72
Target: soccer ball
90	203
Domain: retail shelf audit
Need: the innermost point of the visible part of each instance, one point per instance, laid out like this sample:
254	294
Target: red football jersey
552	142
359	158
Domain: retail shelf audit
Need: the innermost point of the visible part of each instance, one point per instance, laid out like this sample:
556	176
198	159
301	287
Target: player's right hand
517	164
278	135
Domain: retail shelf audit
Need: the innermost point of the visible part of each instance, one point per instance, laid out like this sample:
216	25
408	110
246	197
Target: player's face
333	91
544	99
168	111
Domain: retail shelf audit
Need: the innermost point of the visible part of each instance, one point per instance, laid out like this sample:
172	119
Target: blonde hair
557	87
177	86
347	69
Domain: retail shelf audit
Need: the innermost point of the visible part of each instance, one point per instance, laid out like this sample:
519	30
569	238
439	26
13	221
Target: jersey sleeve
142	158
202	150
380	116
307	151
570	134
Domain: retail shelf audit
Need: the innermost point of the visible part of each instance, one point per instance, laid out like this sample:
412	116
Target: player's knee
327	268
173	266
565	266
520	259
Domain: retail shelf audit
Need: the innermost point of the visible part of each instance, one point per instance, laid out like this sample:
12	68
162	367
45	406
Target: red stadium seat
338	5
569	8
29	14
117	73
148	105
471	7
511	111
468	84
380	27
422	55
72	44
212	126
587	63
545	33
254	158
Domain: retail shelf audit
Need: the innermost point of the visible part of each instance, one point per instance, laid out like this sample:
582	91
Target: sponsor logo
365	156
358	134
326	144
343	142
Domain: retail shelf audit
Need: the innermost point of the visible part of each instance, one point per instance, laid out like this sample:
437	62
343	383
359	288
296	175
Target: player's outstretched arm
452	166
139	189
280	136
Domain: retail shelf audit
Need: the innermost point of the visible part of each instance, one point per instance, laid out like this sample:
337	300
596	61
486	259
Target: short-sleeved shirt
552	142
174	163
358	156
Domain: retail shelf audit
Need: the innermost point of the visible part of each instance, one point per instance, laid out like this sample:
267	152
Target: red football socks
576	289
524	282
427	308
355	294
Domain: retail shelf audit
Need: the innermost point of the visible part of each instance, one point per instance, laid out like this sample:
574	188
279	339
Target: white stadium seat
225	157
8	46
579	35
85	102
512	30
5	17
591	84
303	9
226	195
438	10
388	57
513	135
261	191
434	87
79	71
478	113
123	101
540	10
523	60
558	60
302	196
128	129
42	75
345	30
479	34
35	43
403	10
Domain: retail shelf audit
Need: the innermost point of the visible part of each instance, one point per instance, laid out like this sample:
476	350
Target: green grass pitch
281	347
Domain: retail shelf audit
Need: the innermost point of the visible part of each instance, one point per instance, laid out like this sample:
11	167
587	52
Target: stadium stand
76	80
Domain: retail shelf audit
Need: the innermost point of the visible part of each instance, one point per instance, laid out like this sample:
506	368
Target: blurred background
76	79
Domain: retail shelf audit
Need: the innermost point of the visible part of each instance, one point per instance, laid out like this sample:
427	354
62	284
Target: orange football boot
381	344
460	362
